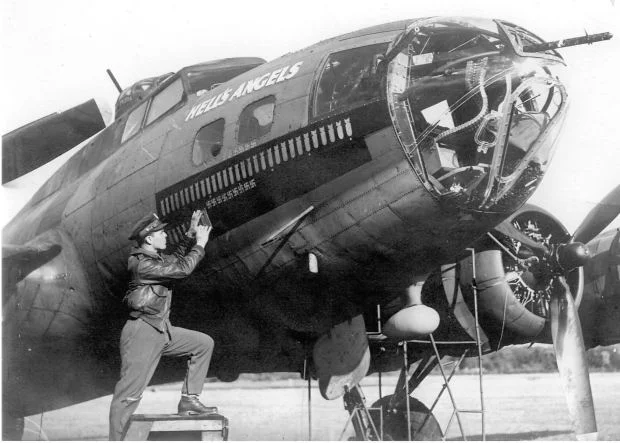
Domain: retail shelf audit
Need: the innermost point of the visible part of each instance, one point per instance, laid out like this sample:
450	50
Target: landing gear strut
360	416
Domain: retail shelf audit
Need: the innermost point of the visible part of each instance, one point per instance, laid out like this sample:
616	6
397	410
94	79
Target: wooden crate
167	427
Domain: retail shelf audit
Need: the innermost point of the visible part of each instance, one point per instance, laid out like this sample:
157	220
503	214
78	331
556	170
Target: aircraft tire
424	425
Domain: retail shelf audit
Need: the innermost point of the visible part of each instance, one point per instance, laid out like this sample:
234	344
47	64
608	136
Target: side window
348	78
208	142
256	119
165	100
134	122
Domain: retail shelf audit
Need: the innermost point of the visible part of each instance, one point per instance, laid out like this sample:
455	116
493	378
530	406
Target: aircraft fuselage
285	168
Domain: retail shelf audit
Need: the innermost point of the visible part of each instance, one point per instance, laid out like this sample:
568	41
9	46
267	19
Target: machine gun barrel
114	81
586	39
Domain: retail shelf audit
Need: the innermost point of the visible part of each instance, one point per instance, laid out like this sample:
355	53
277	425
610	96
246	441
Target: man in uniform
148	334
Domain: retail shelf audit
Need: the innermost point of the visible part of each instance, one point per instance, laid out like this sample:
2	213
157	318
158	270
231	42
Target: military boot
190	405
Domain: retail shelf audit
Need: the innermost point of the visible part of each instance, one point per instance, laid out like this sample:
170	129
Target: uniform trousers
142	346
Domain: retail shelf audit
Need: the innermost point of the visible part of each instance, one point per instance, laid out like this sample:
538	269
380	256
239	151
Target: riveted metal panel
99	241
238	274
417	207
59	285
298	242
41	300
104	207
84	193
78	226
382	142
387	228
174	165
255	260
121	197
142	185
333	223
113	234
116	264
107	175
63	322
356	244
395	181
95	279
290	116
365	205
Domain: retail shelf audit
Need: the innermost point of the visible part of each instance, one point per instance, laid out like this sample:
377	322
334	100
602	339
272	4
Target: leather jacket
152	274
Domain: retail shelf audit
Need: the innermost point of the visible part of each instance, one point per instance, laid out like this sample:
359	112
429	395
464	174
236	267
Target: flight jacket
150	289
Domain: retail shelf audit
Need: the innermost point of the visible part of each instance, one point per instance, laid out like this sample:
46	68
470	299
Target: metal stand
309	377
426	366
309	409
456	411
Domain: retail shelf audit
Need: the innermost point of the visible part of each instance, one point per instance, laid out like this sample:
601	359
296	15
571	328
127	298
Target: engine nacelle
53	299
513	291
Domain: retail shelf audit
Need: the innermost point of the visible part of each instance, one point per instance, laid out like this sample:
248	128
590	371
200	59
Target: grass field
518	407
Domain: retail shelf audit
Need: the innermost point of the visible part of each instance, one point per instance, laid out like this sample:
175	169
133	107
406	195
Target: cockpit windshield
137	92
206	76
474	113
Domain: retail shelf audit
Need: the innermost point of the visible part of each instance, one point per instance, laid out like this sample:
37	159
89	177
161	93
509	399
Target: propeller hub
572	255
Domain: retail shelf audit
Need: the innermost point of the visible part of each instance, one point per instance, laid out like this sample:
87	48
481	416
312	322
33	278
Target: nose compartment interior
474	118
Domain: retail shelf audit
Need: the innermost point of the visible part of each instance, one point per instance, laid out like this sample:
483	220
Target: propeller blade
599	217
570	353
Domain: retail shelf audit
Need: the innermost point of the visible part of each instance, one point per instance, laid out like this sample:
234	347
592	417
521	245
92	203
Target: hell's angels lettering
252	85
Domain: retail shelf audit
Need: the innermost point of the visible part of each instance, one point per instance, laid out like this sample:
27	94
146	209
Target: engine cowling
513	284
50	296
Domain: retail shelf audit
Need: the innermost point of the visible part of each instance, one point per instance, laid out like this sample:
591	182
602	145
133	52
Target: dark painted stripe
308	158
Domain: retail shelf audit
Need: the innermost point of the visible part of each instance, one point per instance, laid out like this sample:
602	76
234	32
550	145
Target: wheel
424	426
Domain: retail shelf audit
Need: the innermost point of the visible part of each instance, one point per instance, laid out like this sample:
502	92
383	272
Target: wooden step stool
168	427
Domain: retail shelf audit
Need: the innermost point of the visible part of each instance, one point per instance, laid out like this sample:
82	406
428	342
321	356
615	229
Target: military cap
146	225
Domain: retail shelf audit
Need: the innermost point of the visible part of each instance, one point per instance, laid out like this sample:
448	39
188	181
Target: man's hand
191	232
202	235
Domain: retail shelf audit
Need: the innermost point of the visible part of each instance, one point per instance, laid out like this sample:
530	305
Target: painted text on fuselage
247	87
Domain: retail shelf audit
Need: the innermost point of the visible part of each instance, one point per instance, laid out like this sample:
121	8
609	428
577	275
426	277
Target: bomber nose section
476	116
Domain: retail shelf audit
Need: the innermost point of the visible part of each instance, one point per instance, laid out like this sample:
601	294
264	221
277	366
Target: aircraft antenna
114	81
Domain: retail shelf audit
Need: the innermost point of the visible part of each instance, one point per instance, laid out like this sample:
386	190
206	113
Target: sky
55	55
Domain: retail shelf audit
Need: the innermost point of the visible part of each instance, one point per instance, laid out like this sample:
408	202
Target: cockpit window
134	121
256	119
348	78
137	92
203	80
165	100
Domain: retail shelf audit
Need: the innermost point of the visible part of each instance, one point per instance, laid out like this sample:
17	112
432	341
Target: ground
518	407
